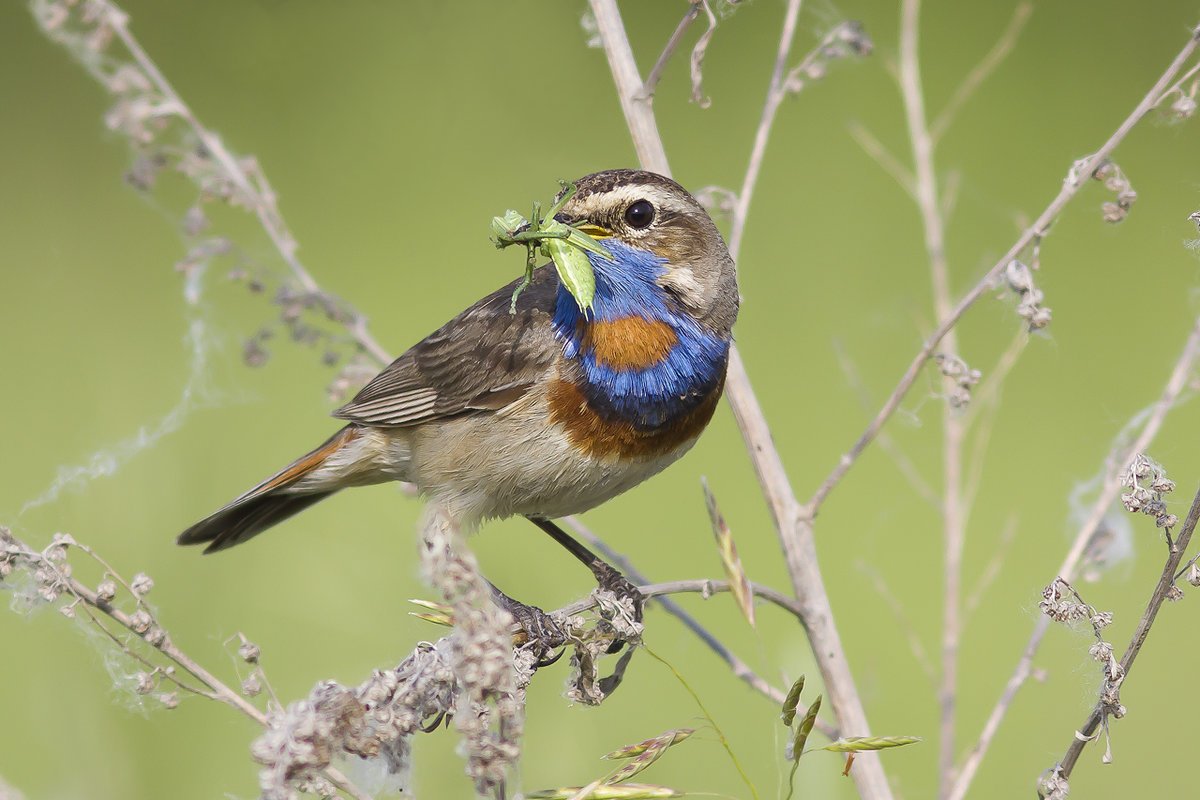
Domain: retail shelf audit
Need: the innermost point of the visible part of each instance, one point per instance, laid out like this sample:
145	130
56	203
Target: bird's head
653	214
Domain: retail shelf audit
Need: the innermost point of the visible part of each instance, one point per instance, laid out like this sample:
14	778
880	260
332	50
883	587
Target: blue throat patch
652	396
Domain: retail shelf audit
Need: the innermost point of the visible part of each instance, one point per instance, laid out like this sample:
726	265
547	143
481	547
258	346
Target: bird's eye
640	214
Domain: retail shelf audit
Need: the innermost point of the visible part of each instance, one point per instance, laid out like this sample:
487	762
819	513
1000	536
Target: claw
433	725
546	662
541	630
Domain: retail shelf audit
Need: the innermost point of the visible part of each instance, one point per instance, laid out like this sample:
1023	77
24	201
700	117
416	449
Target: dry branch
793	526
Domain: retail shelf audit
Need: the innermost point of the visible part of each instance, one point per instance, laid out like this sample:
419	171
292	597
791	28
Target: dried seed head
1101	651
1193	574
169	700
141	584
106	591
140	622
1183	107
960	376
1053	786
144	682
252	686
1148	483
1174	594
249	651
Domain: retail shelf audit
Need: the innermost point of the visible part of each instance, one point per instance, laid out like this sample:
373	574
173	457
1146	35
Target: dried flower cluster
166	138
1019	277
959	376
1183	107
46	576
1115	181
1062	603
476	677
1053	785
846	40
1148	483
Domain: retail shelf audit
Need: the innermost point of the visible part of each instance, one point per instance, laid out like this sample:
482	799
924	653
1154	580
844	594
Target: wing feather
480	361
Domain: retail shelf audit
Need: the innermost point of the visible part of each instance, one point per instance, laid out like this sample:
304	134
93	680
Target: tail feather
243	519
267	504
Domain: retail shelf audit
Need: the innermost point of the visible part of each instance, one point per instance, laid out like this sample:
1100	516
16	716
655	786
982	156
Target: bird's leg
607	576
540	628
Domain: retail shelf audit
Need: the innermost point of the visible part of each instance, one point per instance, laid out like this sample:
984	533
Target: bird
538	407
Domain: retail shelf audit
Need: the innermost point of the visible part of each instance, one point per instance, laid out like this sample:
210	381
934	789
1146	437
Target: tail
269	503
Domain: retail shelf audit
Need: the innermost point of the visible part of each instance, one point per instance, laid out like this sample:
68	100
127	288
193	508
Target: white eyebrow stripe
625	195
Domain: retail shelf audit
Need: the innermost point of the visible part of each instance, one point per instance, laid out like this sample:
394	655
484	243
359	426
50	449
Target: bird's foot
539	630
627	616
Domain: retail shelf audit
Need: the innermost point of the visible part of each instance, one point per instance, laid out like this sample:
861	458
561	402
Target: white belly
513	462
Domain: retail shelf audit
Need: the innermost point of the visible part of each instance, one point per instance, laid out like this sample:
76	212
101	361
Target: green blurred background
393	131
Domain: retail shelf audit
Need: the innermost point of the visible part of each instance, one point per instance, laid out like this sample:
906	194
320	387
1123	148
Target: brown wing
483	359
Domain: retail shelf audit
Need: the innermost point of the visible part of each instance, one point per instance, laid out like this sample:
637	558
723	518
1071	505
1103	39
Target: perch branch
795	531
739	667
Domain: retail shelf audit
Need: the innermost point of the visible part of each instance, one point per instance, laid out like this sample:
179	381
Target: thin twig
661	592
982	71
920	655
992	570
903	463
217	689
981	416
739	667
970	765
1075	181
1178	85
795	533
639	116
1166	582
883	157
954	519
672	45
1109	490
704	586
775	95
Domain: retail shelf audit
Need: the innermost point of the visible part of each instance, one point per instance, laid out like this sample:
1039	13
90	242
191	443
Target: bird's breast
638	387
603	435
628	343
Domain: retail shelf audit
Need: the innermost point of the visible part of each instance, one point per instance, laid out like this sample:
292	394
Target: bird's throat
638	360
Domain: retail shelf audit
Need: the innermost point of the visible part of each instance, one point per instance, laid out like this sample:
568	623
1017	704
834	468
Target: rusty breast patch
628	343
601	435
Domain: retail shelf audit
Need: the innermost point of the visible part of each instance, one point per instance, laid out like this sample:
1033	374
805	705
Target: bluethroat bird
548	410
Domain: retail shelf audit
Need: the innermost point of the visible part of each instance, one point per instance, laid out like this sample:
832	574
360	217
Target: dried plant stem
953	425
775	94
983	70
639	115
739	667
1175	554
244	174
1109	490
883	157
214	687
1071	187
669	50
903	463
794	527
879	583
